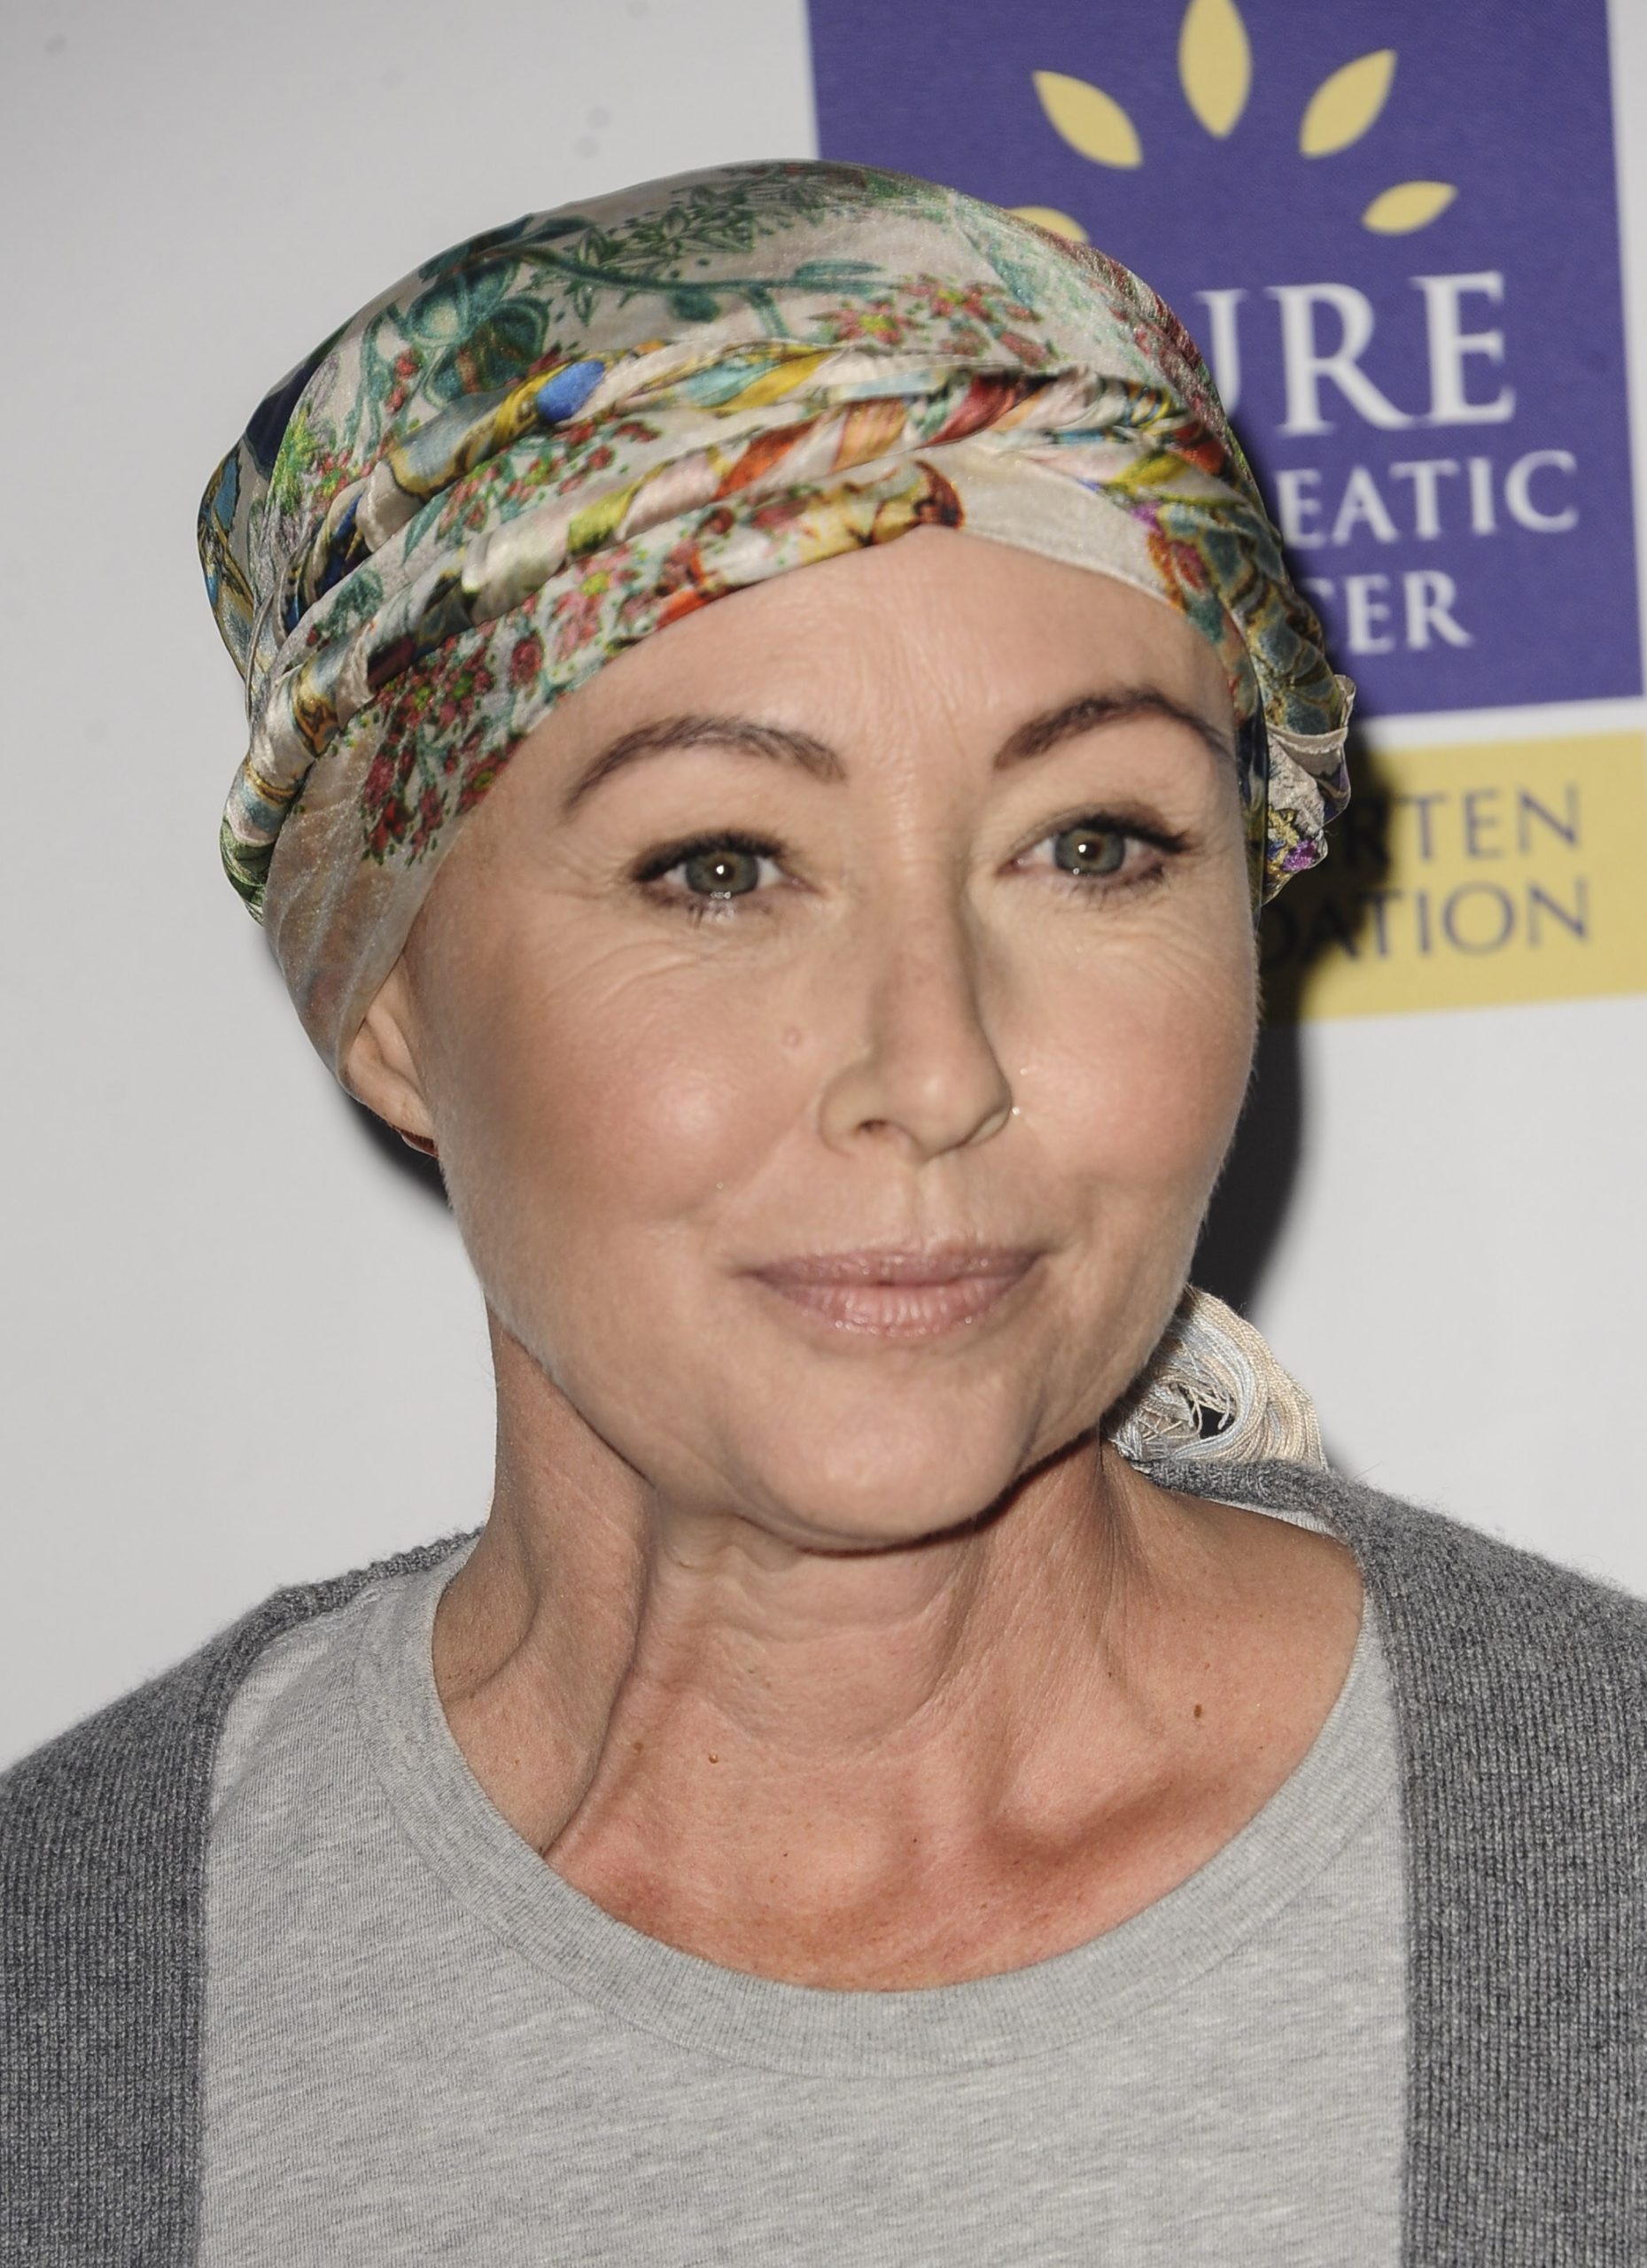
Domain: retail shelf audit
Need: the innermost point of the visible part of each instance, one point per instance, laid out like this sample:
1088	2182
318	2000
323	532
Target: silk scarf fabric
566	433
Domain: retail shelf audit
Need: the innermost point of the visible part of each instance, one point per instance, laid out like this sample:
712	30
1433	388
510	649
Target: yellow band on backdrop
1473	876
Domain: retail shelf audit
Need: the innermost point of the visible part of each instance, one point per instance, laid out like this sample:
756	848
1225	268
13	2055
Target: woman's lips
899	1294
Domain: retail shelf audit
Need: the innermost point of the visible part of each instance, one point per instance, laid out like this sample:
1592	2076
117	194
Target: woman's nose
917	1061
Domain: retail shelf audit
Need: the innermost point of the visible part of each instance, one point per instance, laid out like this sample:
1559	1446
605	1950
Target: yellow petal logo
1215	73
1410	205
1088	119
1215	63
1344	107
1048	216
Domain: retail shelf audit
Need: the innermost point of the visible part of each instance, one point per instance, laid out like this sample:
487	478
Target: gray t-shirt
421	2045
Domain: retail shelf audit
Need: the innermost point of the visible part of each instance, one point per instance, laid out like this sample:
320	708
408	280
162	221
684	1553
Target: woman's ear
381	1066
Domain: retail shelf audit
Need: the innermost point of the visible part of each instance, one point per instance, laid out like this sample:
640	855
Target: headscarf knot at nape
564	434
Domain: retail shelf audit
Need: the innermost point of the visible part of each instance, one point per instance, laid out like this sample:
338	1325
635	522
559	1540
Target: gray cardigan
1520	1690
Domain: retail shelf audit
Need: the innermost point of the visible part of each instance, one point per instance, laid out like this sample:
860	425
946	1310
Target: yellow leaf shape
1048	216
1088	119
1344	107
1215	63
1411	204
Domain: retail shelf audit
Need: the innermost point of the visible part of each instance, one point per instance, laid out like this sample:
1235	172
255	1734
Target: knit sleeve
102	1929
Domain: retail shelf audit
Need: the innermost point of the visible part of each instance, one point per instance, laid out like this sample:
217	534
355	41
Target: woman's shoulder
102	1872
143	1754
1432	1572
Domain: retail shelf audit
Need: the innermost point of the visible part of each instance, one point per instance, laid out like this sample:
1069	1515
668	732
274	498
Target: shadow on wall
1249	1205
1333	909
1322	911
1325	911
424	1171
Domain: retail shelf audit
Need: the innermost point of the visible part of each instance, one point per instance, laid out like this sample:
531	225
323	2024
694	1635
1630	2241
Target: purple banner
1392	228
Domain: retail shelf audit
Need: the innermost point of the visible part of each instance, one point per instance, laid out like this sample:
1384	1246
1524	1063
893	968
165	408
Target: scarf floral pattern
563	435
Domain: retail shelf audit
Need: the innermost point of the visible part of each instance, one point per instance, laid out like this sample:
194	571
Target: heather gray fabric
1520	1690
421	2045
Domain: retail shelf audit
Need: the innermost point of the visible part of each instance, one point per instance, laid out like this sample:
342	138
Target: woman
922	1761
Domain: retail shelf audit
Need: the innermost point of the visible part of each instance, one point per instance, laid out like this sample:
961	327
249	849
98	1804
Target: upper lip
906	1264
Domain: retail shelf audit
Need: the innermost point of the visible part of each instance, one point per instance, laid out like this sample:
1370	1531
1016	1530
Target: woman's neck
889	1766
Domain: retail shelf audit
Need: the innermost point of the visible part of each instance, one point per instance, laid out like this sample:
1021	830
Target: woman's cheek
1140	1054
629	1090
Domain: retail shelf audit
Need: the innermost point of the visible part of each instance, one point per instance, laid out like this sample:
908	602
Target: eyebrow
778	742
1037	735
1092	712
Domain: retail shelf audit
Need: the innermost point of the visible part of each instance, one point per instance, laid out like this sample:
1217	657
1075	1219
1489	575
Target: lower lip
900	1310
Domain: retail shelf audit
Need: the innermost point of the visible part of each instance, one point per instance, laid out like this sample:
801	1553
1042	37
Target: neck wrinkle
605	1666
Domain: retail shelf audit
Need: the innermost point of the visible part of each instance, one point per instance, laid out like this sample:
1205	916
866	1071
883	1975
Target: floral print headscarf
566	433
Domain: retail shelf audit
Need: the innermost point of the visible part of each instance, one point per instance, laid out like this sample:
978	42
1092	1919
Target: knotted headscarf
564	434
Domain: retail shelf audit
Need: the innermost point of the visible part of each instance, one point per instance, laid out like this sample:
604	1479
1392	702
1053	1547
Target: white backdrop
241	1350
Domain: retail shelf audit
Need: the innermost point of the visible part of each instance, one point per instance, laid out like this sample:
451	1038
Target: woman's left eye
1090	850
1099	849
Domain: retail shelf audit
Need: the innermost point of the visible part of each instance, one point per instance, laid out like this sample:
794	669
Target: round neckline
504	1885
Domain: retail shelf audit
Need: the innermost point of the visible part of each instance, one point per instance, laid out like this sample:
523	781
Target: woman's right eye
705	874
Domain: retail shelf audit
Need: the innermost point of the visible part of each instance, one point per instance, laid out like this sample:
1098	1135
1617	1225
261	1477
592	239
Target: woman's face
828	921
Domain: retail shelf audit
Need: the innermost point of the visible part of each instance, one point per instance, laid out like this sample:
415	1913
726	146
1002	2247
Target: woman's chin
893	1477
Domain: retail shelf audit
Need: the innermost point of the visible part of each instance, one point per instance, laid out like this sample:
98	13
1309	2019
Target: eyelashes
696	846
1103	849
705	851
1112	854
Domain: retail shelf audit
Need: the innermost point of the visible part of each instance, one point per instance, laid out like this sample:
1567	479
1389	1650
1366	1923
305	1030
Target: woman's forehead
940	620
680	741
